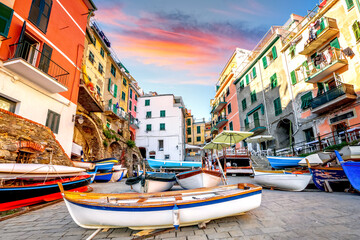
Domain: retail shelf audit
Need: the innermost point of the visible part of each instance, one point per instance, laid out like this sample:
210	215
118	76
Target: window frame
147	102
6	19
54	117
162	113
148	127
40	14
162	127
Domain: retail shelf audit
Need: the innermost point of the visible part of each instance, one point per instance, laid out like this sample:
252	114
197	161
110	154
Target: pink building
134	92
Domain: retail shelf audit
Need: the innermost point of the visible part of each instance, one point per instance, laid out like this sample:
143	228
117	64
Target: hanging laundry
317	24
348	52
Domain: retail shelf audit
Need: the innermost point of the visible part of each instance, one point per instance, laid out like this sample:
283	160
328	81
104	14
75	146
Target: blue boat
283	162
352	171
104	167
114	160
157	164
103	177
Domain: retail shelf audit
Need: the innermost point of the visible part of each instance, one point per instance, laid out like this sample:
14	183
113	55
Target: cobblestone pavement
282	215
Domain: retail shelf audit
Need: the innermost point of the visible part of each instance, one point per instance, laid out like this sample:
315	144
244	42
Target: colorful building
224	113
134	93
41	60
322	53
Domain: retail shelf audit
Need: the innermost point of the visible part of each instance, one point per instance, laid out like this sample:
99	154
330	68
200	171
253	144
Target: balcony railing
134	121
330	61
328	29
118	112
217	108
337	96
221	121
258	125
33	56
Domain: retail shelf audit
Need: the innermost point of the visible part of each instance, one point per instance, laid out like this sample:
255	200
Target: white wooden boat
30	168
161	210
282	180
154	182
85	165
39	177
316	159
350	153
117	175
199	178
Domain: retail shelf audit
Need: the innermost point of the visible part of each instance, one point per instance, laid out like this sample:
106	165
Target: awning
259	139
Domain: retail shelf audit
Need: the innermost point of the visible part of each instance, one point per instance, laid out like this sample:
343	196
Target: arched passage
115	150
283	131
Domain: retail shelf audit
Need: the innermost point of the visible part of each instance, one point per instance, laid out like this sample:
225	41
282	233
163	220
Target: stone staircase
260	162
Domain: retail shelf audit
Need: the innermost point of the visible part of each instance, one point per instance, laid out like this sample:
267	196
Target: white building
162	130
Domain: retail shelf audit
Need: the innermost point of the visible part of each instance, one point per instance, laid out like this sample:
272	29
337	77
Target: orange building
42	44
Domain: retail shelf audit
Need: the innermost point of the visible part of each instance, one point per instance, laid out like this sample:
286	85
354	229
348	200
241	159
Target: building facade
134	93
161	134
41	61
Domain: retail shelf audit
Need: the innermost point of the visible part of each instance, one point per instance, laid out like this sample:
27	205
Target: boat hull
104	166
335	176
15	197
352	171
103	177
198	179
33	168
85	165
117	176
155	216
157	164
283	181
283	162
152	186
350	153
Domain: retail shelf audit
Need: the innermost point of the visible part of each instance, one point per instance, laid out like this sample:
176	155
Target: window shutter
115	90
109	86
335	43
306	100
293	77
110	102
274	52
243	102
6	14
349	3
247	79
264	62
242	84
254	72
356	30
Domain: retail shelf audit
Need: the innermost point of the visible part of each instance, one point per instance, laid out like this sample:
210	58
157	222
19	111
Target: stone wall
16	130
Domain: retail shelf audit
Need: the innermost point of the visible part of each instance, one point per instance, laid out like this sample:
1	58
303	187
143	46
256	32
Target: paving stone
197	237
272	229
220	235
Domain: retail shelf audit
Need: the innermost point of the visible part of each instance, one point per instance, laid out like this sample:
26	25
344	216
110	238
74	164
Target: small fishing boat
103	176
350	153
283	180
86	165
199	178
33	168
157	164
278	162
352	171
113	160
104	166
26	193
316	158
160	210
153	182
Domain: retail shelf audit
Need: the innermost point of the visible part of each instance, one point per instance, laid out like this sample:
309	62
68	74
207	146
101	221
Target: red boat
19	193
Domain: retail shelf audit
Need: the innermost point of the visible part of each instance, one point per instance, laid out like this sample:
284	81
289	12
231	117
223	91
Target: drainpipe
288	77
263	93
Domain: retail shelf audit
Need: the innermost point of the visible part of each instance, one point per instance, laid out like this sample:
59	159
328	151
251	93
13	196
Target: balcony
329	31
134	122
89	98
333	98
115	113
221	121
35	66
219	107
257	126
214	130
336	60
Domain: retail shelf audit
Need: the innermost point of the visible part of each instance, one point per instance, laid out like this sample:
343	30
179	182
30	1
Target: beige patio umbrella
259	139
231	137
217	146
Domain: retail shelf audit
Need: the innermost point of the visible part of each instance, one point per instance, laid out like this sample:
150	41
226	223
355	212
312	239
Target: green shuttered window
123	96
6	14
356	30
147	102
189	130
273	81
349	3
148	127
264	62
198	139
293	77
189	140
253	96
254	72
162	126
148	114
242	85
198	129
306	100
247	79
162	113
335	43
277	106
229	108
231	126
188	121
53	121
274	53
243	102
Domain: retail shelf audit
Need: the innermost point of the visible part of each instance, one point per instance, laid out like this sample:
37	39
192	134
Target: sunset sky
181	47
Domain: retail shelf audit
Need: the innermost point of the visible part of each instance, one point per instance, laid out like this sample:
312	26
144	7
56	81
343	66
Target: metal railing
255	124
332	94
117	111
30	54
134	121
329	58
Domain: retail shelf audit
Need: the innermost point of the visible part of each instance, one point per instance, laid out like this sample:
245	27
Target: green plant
336	146
105	143
130	143
117	139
